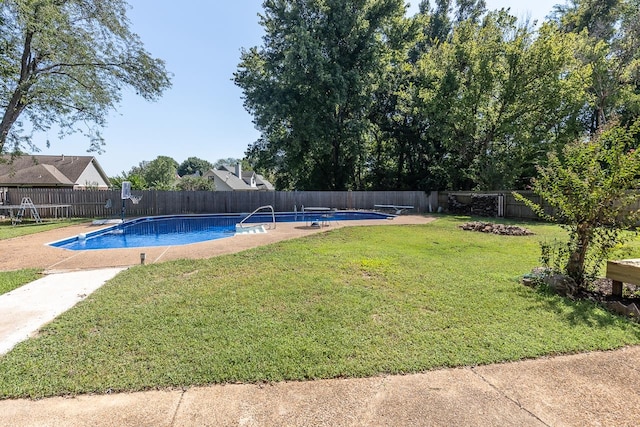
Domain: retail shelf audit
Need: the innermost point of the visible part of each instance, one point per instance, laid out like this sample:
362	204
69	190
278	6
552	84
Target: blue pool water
186	229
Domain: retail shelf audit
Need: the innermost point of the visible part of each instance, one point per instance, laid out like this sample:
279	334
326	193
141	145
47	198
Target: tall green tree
309	88
597	17
407	152
194	165
611	51
478	109
135	179
444	15
517	94
470	10
195	183
160	173
439	25
65	62
627	47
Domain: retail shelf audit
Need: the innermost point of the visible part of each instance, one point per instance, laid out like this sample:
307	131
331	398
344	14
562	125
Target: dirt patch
601	291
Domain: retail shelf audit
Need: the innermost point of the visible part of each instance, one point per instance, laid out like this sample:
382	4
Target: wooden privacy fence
108	203
512	208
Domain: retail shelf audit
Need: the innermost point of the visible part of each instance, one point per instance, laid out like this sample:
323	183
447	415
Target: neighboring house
229	178
35	171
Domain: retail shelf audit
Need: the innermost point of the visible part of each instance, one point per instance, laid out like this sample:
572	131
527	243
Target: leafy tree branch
65	63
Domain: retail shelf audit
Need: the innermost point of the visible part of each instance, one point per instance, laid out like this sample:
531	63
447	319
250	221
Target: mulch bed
601	290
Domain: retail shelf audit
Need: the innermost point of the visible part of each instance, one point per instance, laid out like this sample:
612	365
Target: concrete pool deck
32	251
591	389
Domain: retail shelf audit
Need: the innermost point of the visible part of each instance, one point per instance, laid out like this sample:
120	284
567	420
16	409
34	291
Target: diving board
398	209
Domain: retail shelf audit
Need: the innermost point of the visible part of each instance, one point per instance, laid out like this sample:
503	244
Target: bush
589	186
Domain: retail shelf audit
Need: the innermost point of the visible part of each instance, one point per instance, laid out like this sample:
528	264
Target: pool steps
253	229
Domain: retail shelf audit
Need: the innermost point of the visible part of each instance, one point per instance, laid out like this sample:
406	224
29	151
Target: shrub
589	185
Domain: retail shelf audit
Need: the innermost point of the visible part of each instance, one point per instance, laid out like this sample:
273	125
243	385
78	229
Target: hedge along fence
108	203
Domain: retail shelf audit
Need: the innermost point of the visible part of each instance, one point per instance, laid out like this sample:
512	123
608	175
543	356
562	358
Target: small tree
588	185
136	180
195	183
160	173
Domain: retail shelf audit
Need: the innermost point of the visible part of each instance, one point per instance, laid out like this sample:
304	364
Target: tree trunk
341	170
575	265
17	103
11	114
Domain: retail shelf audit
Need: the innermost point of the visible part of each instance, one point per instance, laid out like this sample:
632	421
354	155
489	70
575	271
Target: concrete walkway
26	309
592	389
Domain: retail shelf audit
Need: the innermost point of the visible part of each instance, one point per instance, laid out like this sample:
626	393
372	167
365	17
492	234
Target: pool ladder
273	217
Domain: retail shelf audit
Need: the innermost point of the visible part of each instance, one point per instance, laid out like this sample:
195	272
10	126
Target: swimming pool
186	229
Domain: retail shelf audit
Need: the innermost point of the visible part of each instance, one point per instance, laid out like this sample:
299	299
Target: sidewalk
593	389
26	309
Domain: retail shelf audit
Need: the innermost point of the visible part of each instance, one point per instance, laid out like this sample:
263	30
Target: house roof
248	177
37	175
46	170
227	174
261	182
232	180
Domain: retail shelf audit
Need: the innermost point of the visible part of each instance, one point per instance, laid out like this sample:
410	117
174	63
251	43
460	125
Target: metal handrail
273	216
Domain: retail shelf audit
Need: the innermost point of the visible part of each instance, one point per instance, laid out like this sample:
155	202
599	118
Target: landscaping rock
630	310
561	284
536	277
505	230
558	283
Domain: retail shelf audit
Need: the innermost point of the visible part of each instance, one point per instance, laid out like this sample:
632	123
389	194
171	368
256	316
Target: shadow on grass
578	312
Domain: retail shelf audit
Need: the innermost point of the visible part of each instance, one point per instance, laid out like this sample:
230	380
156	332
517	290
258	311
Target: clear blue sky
202	114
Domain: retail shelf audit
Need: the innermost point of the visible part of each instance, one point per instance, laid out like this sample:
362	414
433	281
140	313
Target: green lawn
352	302
8	231
10	280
